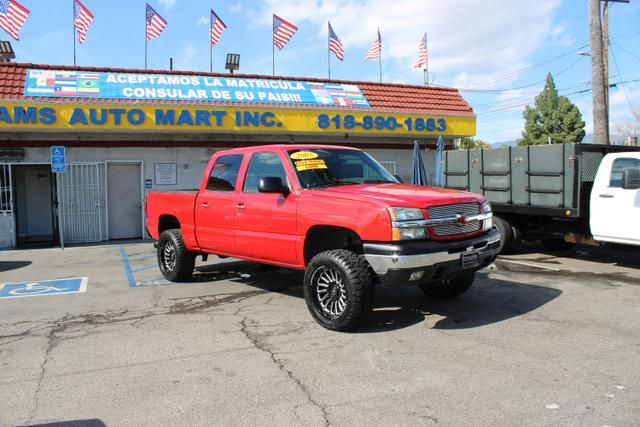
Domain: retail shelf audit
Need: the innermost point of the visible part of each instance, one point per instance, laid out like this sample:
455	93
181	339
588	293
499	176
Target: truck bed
549	180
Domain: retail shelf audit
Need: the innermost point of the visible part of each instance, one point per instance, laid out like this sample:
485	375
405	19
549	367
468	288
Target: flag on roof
216	28
282	31
375	50
422	52
335	45
12	17
155	23
81	19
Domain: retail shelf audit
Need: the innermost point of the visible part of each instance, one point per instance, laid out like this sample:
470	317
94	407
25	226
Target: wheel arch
167	222
320	238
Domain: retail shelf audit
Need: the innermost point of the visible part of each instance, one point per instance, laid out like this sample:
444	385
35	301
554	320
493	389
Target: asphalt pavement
93	336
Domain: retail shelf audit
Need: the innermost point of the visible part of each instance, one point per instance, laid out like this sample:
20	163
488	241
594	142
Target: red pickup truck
332	211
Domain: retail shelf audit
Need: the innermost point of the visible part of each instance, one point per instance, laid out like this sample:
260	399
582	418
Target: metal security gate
82	206
7	221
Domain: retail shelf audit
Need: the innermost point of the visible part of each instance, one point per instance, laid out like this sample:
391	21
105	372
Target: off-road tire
555	245
449	288
353	274
175	261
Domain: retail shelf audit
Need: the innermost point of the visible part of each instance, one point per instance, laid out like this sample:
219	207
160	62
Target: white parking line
544	267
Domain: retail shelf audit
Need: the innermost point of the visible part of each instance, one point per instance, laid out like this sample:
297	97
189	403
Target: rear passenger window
619	165
263	165
224	173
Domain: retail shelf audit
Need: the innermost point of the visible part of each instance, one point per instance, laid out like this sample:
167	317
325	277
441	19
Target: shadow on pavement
13	265
72	423
488	301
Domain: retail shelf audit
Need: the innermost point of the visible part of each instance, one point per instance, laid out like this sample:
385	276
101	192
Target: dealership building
116	134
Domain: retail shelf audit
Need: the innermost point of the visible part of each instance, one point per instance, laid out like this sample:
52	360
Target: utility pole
605	51
600	113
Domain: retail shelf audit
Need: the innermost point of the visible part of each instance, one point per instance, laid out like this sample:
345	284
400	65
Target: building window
5	189
390	166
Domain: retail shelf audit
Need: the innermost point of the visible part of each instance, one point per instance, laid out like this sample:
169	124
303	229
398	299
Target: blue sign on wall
58	159
44	287
77	84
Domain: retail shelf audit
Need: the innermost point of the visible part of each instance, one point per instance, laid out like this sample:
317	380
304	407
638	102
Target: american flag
216	28
335	45
155	23
422	52
375	50
82	19
282	31
12	17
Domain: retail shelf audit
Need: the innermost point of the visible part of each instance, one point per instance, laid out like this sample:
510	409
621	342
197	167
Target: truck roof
285	147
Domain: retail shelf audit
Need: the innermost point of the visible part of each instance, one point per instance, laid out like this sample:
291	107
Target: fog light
416	275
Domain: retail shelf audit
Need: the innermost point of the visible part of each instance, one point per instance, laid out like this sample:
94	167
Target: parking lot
539	340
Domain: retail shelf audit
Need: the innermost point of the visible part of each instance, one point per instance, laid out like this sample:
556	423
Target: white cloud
167	4
186	57
485	37
204	20
235	8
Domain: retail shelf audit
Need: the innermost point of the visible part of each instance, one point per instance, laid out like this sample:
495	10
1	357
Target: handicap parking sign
44	287
58	159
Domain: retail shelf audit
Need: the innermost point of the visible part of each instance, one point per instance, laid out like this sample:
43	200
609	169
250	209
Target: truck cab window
260	166
619	165
224	173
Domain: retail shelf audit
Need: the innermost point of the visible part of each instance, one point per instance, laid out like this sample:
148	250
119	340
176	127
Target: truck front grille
446	211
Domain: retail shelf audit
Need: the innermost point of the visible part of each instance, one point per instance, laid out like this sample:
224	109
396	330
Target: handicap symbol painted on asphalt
44	287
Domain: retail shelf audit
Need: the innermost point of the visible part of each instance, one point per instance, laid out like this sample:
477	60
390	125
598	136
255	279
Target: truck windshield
328	167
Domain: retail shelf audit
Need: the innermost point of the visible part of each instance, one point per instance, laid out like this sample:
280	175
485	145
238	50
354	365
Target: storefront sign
133	118
56	83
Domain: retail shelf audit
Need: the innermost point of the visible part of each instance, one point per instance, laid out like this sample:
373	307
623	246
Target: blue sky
506	46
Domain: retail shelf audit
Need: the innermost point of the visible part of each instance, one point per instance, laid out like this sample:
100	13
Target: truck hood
402	195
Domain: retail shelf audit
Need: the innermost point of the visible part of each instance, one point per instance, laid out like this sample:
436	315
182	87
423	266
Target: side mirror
631	179
398	178
272	184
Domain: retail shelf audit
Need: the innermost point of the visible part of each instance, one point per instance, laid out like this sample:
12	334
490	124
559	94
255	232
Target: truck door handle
606	196
241	206
205	205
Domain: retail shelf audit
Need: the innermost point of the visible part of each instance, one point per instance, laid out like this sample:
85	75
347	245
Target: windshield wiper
376	181
334	183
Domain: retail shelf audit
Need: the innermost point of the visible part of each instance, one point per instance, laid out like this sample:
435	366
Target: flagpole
73	19
328	48
380	56
273	59
145	40
210	44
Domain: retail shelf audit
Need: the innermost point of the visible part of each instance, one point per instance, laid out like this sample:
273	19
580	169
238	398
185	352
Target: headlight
487	224
408	233
400	215
405	214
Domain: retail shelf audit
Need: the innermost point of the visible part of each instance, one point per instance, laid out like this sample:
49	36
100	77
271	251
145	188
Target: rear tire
556	244
175	261
338	289
449	288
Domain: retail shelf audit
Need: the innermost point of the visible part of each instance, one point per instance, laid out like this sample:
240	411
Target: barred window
5	188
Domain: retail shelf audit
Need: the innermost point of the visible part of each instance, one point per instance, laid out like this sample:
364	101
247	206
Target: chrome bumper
485	246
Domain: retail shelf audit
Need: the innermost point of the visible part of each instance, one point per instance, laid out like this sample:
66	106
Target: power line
624	88
524	69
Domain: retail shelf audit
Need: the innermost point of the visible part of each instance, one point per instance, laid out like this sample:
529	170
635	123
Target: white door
125	200
615	211
34	204
81	202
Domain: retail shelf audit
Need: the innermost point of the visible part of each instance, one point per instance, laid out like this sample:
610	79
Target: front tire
175	261
449	288
338	289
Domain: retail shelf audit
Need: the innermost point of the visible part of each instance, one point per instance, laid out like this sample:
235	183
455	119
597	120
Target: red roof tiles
381	96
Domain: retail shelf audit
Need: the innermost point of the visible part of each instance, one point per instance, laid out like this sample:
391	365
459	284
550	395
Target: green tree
552	117
468	143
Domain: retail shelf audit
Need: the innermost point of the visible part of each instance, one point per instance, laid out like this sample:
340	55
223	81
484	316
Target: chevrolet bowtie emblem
462	219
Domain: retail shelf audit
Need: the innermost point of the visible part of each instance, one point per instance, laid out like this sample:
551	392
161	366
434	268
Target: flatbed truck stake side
333	212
